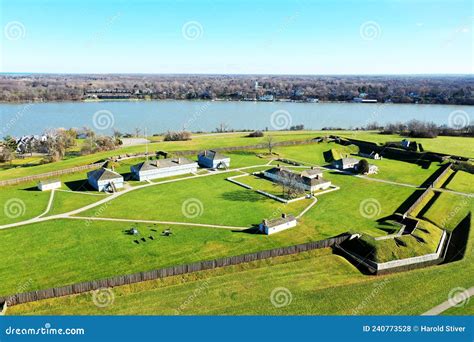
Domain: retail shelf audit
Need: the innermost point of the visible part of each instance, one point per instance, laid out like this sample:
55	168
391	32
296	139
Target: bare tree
6	154
290	184
223	127
137	132
269	143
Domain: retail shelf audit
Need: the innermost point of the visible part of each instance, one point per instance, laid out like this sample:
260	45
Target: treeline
56	144
397	89
422	129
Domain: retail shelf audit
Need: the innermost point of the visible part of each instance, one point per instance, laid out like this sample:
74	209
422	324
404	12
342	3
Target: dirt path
158	222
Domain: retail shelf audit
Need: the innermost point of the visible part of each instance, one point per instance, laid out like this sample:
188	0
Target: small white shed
49	184
277	225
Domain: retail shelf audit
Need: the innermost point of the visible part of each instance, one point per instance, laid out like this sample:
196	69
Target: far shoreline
225	100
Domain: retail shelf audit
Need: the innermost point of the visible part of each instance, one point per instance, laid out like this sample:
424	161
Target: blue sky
275	37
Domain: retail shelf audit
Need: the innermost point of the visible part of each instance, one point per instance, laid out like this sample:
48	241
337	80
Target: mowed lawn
207	199
61	252
461	146
355	207
313	283
389	169
21	202
65	201
463	182
221	202
449	209
79	250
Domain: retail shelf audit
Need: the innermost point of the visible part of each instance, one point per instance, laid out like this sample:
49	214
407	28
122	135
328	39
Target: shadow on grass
409	201
428	205
32	188
458	241
252	230
79	185
242	196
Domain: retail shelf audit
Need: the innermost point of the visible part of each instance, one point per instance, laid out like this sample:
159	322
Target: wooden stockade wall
87	286
428	189
50	174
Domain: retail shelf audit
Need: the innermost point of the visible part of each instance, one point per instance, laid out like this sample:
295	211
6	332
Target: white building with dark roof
49	184
212	159
163	168
277	225
105	180
345	163
308	180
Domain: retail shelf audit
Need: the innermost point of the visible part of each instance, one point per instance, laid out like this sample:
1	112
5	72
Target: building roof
280	220
298	177
346	162
162	163
312	172
211	154
49	181
103	174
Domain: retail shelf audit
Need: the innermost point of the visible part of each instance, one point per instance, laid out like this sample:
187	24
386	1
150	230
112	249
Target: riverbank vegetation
397	89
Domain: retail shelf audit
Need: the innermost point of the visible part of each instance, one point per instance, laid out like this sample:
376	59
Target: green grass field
61	252
92	250
448	210
317	282
219	202
463	182
66	201
22	202
441	144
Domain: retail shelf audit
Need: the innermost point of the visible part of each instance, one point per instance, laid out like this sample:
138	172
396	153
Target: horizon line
225	74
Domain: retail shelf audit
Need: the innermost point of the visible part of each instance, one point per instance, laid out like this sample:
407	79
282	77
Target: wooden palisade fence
87	286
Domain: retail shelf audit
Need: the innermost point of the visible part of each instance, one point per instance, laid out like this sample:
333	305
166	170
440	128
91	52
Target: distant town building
105	180
266	98
308	180
212	159
362	100
49	184
277	225
163	168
